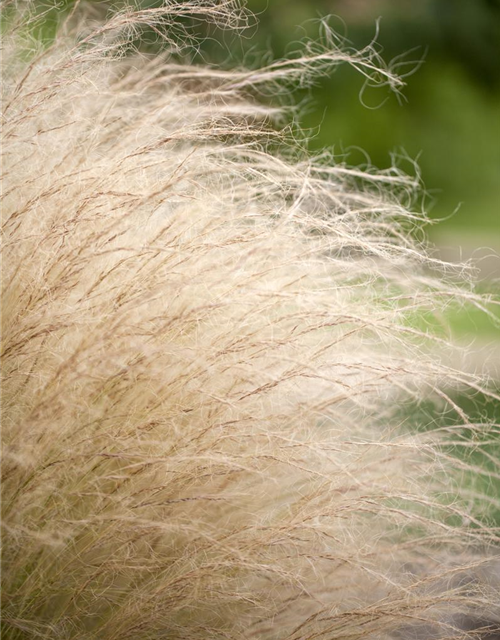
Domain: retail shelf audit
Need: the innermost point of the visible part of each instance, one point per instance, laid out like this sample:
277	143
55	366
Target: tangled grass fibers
207	342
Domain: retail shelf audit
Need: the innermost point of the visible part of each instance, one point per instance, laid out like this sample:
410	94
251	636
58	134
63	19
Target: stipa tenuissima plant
205	341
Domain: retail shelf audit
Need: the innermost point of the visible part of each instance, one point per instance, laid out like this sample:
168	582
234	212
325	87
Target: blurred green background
448	117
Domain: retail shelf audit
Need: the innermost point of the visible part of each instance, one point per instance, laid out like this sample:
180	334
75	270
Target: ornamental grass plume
209	341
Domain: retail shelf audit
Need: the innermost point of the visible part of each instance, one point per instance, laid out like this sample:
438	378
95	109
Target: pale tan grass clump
204	344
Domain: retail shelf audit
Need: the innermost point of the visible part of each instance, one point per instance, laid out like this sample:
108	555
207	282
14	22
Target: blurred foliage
447	118
476	445
449	115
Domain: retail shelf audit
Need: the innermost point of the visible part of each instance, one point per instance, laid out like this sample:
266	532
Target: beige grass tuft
205	341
